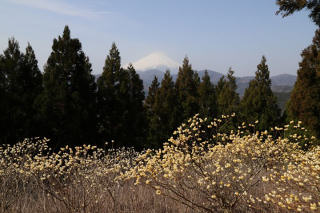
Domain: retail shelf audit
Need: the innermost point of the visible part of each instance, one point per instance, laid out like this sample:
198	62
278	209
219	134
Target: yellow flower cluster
205	166
252	172
79	178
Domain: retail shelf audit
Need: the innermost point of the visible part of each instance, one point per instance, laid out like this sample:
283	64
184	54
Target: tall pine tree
107	99
153	119
220	85
136	120
207	97
304	103
187	90
21	83
259	102
152	92
120	99
28	88
68	102
162	108
166	107
227	98
9	67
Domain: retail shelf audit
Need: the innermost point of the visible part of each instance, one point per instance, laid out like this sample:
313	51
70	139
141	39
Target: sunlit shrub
206	166
297	133
79	178
237	172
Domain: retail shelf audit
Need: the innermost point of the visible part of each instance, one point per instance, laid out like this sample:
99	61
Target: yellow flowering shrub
79	178
253	172
204	167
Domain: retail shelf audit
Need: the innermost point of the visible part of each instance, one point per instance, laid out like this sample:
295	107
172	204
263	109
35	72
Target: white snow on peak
156	60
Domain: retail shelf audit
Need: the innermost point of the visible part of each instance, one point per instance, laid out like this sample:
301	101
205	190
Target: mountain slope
156	61
281	84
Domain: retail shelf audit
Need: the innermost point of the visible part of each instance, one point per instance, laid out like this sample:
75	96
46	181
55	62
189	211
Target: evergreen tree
120	98
28	87
207	97
187	90
220	85
152	92
108	102
9	67
288	7
153	119
68	102
166	108
162	108
3	89
136	119
259	102
227	98
21	83
304	103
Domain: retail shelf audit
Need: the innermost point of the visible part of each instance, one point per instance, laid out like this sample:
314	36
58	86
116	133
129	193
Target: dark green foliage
220	85
3	93
154	135
288	7
28	88
259	102
107	99
109	112
282	98
300	135
135	117
162	108
120	103
68	102
20	84
227	97
151	98
67	106
187	90
304	104
166	108
207	98
9	67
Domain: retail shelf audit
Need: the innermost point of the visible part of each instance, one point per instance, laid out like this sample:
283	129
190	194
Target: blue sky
214	34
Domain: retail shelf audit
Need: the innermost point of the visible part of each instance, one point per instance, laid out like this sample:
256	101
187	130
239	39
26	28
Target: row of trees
65	103
170	103
68	105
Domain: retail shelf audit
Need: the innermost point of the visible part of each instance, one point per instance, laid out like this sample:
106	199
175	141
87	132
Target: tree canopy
120	103
259	102
227	97
207	97
20	84
304	102
288	7
187	90
68	102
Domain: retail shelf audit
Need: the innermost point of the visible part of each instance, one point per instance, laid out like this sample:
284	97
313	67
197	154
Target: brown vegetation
198	170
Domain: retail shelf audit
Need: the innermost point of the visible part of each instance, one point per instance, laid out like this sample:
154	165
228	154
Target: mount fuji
156	61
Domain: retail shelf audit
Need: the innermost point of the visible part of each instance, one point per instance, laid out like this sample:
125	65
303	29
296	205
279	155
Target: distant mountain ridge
280	83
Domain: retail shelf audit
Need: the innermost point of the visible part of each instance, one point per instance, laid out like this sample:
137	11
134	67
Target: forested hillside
69	105
141	140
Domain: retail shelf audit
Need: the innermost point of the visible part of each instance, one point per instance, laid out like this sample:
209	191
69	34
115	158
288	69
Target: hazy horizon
214	35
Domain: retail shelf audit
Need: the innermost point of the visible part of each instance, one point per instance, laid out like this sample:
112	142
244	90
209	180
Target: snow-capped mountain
156	61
